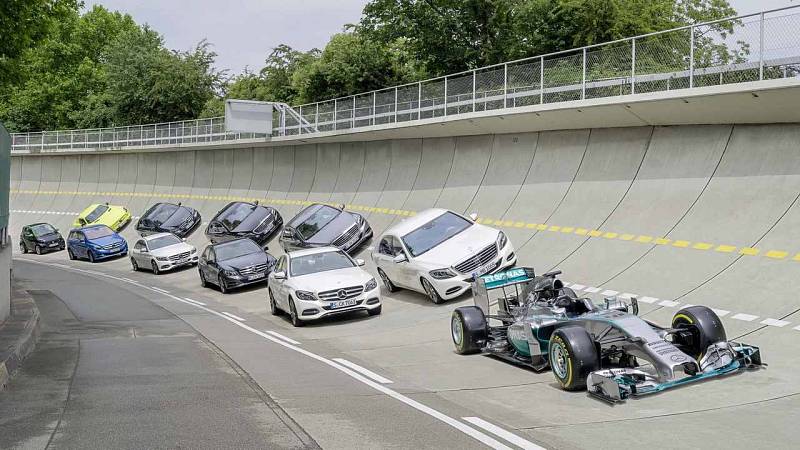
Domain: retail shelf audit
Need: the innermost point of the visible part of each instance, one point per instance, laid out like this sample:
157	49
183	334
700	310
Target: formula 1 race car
609	350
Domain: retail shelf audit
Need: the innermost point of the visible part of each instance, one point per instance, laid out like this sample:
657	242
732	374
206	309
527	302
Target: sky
243	32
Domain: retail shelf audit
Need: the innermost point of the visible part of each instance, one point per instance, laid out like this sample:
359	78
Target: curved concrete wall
688	214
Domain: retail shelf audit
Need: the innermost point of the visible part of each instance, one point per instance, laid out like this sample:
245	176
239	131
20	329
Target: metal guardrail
740	49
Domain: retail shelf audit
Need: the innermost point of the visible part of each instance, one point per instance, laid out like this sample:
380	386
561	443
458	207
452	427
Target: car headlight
442	274
162	258
305	295
230	273
371	284
194	250
502	240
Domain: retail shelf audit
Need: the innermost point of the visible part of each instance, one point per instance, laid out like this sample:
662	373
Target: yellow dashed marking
776	254
595	233
627	237
644	239
554	228
541	227
499	223
519	224
725	248
581	231
610	235
748	251
531	226
567	229
662	241
681	244
796	257
702	246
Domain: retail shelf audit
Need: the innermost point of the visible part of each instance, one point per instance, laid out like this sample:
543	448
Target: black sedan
244	220
40	238
321	225
169	218
233	264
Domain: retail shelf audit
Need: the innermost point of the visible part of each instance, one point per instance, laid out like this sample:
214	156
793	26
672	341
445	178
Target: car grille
484	257
250	270
349	292
112	246
346	236
265	224
179	256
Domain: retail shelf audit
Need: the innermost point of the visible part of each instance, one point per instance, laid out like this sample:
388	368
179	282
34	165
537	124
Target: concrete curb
18	335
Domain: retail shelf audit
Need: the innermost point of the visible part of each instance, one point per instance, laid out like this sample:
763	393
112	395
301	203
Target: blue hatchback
95	242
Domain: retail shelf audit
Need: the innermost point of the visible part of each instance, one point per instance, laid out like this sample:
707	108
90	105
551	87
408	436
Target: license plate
483	270
53	244
351	242
343	303
255	277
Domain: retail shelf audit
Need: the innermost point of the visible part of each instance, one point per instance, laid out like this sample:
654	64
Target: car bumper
453	287
122	222
105	254
242	281
365	236
169	265
313	310
47	248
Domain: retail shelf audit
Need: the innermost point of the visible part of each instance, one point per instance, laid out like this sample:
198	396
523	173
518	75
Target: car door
405	271
26	237
384	257
291	240
212	267
81	247
279	289
139	253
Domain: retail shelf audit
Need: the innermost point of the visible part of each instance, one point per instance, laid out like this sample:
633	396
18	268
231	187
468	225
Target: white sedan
315	283
438	252
162	251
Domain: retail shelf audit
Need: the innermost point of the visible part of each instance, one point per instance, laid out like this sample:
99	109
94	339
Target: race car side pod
616	385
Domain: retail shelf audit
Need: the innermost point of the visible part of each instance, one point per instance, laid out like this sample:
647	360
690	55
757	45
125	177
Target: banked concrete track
675	215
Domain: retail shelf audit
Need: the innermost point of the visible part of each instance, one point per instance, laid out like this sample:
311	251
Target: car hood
459	247
331	279
243	261
252	220
106	240
178	217
49	237
173	249
333	229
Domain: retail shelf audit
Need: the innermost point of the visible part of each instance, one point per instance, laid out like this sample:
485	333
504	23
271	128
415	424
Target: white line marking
648	299
363	371
775	322
578	287
233	316
609	293
507	435
592	290
721	312
194	301
126	280
797	328
669	303
285	338
745	317
163	291
627	295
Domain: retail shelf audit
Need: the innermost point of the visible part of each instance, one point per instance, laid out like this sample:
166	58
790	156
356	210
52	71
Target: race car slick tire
468	329
572	357
705	326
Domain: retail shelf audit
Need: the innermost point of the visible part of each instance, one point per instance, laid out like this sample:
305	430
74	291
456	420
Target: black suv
169	218
242	219
234	263
40	238
321	225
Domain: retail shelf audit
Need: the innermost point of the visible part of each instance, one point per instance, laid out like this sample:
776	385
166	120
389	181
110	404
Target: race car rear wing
509	281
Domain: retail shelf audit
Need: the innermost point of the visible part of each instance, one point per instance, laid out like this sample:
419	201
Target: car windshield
435	232
235	214
235	249
42	229
319	262
316	221
97	232
96	213
163	241
161	212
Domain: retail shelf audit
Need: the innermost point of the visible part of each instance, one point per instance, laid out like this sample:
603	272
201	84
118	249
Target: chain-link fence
735	50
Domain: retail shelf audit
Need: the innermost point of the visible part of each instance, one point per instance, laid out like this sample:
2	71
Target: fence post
353	115
691	57
505	86
419	100
633	66
395	105
474	89
761	49
300	122
374	95
583	78
316	118
335	113
541	80
445	96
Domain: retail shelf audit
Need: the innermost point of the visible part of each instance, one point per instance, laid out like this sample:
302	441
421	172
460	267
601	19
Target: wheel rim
22	247
133	263
457	331
385	280
292	311
272	305
222	286
429	290
558	360
38	250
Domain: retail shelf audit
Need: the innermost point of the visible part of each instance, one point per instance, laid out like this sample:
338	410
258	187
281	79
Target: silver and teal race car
607	349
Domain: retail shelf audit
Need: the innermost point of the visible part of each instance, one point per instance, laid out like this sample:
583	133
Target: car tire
71	255
90	255
705	326
23	248
572	356
296	322
154	267
387	282
376	311
37	249
203	282
468	329
431	291
273	306
134	265
223	287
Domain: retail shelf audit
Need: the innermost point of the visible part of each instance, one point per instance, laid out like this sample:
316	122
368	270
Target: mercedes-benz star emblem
342	294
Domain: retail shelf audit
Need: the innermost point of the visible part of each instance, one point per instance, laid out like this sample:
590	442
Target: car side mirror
360	262
400	258
144	250
280	275
183	239
287	234
473	216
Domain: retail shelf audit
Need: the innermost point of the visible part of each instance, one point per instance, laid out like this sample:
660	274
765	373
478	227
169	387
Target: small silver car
161	252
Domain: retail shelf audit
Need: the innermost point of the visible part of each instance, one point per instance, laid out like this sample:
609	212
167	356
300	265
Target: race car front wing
616	385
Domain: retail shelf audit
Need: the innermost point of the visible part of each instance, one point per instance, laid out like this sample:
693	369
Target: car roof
38	223
303	215
412	223
150	237
96	225
312	251
222	244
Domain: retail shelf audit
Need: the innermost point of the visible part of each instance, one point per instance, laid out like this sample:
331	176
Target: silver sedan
161	252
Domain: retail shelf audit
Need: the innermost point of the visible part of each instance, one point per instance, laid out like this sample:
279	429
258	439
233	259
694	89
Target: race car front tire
468	329
572	357
704	325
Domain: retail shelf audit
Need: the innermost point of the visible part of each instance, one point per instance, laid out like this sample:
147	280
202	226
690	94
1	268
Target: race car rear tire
572	357
705	326
468	329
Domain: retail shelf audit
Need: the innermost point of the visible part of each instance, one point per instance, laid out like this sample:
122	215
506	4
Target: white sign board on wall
248	116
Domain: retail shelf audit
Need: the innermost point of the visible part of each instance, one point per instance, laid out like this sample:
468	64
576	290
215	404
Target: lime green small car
112	216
